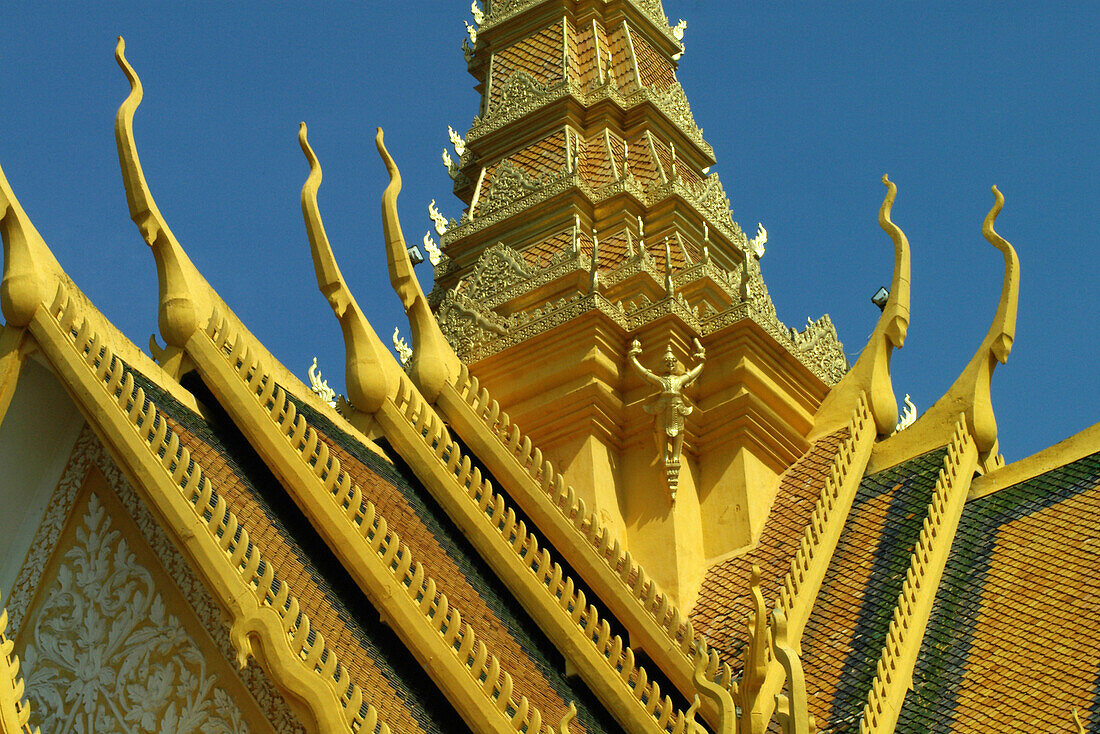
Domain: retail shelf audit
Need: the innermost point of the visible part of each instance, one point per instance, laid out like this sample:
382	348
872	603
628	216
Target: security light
879	299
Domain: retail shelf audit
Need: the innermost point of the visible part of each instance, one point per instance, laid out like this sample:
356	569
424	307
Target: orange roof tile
1015	613
724	602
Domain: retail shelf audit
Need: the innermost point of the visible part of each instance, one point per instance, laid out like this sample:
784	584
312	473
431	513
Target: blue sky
806	105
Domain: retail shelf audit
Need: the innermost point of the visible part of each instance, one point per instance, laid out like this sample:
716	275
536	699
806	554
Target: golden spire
433	363
184	293
871	373
365	370
30	270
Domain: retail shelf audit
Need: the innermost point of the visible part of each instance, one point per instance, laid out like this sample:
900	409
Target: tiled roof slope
847	628
470	585
1011	644
375	657
724	603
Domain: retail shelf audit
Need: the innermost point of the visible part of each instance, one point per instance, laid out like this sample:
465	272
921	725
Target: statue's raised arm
632	355
700	357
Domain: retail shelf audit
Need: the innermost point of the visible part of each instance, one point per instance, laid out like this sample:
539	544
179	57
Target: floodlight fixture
880	298
416	255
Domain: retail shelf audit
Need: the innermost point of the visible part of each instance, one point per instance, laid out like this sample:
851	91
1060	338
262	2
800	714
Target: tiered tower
592	227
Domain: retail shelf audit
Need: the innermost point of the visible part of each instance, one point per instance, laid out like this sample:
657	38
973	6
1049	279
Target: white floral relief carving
105	654
89	452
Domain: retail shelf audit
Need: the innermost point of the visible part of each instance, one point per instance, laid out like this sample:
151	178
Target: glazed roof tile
470	585
375	657
724	604
539	55
655	69
1015	611
847	628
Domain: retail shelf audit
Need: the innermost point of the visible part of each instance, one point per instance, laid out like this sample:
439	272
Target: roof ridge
15	710
224	549
582	631
918	591
542	493
443	620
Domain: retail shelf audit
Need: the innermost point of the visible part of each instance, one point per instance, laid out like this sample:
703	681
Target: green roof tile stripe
847	629
947	653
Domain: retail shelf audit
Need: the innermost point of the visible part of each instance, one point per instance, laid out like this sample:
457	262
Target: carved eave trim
671	102
527	569
218	548
648	12
369	548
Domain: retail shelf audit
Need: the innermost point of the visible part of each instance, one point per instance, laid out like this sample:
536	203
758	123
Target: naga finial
30	270
711	690
184	294
365	373
792	709
433	363
970	393
871	372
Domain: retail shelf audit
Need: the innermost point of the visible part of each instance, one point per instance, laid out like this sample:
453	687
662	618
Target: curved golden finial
365	370
184	294
793	712
871	372
30	270
567	718
717	694
970	393
434	363
1003	330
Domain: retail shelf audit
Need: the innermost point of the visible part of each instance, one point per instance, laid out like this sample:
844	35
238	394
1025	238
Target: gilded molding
918	592
260	606
15	709
372	551
603	660
803	580
527	95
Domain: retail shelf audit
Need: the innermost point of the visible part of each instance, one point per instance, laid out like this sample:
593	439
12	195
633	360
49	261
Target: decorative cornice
500	11
475	331
522	94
